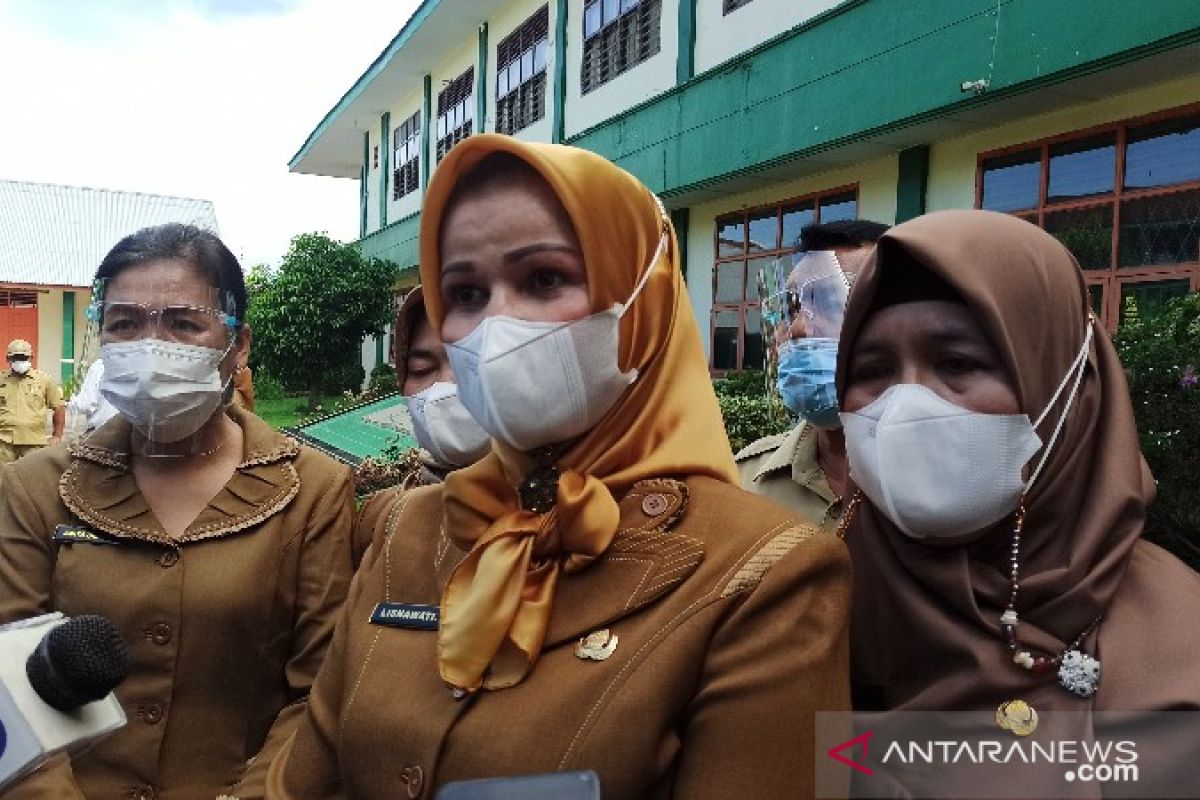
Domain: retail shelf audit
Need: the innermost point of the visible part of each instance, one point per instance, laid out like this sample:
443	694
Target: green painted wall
426	124
685	60
363	188
397	242
481	80
385	151
68	337
856	72
559	83
913	182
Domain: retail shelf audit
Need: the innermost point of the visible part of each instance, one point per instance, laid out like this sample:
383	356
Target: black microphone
78	662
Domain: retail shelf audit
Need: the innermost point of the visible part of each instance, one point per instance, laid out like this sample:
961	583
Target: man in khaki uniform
804	469
26	394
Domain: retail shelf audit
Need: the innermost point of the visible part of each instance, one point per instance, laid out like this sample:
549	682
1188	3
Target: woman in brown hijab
991	566
596	593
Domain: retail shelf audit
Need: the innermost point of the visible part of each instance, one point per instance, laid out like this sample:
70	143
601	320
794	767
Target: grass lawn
285	412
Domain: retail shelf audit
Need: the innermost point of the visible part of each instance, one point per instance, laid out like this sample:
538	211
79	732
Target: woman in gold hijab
996	543
596	593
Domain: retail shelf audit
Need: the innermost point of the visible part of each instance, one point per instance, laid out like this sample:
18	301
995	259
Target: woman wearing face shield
449	436
219	548
596	593
996	535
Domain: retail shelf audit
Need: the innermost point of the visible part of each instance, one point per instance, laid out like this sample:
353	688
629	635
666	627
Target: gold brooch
596	646
1017	716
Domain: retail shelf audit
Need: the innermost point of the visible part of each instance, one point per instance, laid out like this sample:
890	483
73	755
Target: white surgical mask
445	428
531	384
942	473
21	367
166	390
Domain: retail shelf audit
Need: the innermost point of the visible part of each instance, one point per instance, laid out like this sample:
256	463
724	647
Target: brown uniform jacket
731	624
784	468
226	626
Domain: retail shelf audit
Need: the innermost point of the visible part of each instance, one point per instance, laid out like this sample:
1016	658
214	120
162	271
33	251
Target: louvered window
456	112
617	36
406	156
521	74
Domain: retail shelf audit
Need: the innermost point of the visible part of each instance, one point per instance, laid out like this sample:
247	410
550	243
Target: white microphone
56	682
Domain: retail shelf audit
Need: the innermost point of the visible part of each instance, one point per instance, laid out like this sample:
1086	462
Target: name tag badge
406	615
77	534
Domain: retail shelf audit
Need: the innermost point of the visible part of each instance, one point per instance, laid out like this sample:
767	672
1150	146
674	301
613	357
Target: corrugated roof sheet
58	235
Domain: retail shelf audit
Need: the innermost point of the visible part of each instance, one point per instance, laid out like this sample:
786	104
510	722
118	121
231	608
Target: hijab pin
597	646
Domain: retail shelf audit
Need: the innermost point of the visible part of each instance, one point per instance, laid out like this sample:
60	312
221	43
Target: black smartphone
583	785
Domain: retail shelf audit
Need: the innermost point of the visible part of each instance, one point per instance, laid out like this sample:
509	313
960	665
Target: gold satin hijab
498	602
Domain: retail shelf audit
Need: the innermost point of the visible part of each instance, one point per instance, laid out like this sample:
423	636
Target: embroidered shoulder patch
751	573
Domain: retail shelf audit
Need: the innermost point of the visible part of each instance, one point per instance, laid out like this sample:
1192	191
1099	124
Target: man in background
26	394
804	469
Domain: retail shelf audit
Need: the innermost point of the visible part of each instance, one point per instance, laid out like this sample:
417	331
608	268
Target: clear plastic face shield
803	305
168	352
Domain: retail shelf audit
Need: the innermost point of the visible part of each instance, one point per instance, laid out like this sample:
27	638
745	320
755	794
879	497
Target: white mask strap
1076	370
658	253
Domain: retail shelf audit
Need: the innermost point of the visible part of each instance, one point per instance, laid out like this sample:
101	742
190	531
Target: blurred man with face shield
26	394
803	302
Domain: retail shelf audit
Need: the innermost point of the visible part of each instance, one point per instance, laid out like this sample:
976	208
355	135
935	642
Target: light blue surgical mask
806	380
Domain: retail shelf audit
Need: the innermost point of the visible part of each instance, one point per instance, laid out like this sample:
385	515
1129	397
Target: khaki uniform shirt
729	620
226	625
784	468
24	401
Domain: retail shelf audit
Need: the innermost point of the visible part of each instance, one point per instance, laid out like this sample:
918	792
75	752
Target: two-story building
752	118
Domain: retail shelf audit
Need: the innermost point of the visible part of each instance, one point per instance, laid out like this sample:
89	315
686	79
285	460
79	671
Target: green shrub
383	380
750	412
1161	355
267	387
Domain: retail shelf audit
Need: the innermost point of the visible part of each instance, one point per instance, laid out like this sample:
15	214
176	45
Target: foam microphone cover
78	662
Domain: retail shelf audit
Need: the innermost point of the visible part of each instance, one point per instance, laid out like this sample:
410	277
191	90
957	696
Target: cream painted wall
720	37
876	181
645	80
952	162
506	20
404	108
48	356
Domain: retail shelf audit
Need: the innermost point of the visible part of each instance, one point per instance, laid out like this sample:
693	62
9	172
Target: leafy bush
1161	355
267	387
749	410
383	379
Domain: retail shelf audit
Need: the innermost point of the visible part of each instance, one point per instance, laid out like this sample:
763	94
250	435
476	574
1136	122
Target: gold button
414	780
160	633
654	504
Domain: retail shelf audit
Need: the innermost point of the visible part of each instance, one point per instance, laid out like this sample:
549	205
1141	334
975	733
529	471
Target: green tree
310	315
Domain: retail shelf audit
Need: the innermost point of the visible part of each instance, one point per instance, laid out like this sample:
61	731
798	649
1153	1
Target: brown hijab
926	622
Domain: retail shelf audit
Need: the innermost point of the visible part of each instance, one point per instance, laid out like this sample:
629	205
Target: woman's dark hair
187	243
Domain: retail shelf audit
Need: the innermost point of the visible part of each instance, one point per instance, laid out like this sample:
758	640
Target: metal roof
58	235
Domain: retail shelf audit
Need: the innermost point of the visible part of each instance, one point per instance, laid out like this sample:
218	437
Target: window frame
745	256
1114	277
606	50
522	104
455	112
406	174
730	6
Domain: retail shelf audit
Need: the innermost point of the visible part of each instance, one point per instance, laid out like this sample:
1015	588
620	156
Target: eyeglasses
128	322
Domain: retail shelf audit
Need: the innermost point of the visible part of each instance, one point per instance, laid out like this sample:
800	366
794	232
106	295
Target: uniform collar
797	453
99	488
